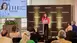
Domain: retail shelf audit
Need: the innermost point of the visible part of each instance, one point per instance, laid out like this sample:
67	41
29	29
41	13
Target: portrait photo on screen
13	8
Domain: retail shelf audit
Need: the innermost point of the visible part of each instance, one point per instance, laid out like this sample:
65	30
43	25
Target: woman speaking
45	21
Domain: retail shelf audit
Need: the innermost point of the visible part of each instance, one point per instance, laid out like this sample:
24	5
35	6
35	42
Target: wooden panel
66	14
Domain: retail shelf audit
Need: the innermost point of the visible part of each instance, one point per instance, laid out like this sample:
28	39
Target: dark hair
14	28
5	33
69	23
3	5
44	16
32	29
74	22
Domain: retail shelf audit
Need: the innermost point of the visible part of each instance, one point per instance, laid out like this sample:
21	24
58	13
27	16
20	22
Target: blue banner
13	8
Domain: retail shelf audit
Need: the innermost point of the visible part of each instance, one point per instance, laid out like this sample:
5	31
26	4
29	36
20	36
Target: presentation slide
13	8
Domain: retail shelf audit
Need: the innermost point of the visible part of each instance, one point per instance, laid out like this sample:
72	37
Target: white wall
29	2
58	2
76	11
49	2
55	2
39	2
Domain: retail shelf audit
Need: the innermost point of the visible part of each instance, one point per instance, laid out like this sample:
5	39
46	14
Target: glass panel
10	18
24	22
3	21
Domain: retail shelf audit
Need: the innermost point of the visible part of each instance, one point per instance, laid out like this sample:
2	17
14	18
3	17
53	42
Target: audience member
3	30
74	26
28	33
69	27
61	36
71	34
25	38
4	38
34	36
14	33
56	41
30	41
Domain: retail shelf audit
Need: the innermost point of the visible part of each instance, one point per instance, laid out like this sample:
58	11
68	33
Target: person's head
4	6
62	34
32	29
68	23
4	33
55	41
73	22
25	36
14	29
4	28
45	15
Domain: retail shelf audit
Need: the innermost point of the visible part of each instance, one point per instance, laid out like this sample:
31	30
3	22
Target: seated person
14	33
69	27
4	38
61	36
30	41
33	35
26	38
28	33
3	30
74	27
